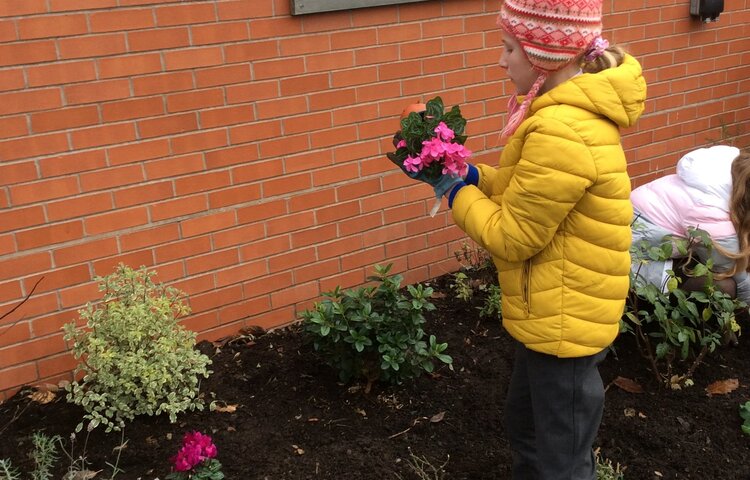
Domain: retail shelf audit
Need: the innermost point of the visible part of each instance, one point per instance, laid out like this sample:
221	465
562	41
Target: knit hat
552	33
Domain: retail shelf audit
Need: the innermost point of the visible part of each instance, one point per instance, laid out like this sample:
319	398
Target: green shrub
672	324
44	456
461	287
375	332
136	358
745	415
492	306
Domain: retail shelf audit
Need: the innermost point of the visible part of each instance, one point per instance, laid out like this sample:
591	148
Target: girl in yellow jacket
555	215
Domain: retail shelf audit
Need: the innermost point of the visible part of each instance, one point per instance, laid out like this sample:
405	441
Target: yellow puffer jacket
556	214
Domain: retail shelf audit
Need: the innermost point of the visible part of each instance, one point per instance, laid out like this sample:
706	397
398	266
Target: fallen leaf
630	386
438	417
231	429
438	295
43	397
83	475
298	450
361	412
151	441
226	408
313	420
722	387
629	412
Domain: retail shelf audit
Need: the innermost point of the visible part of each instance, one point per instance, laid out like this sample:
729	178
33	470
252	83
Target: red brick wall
240	151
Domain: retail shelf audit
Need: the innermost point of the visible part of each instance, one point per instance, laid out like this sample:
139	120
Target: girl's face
517	66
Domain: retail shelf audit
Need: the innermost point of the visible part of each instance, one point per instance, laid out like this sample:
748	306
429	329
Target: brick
193	58
231	156
29	101
265	248
307	123
325	62
103	135
252	92
185	14
313	236
135	259
207	223
267	284
70	5
244	309
167	125
117	220
7	246
195	100
304	45
251	51
284	146
242	9
275	27
158	39
337	212
377	55
132	109
8	31
78	206
44	190
61	73
18	172
173	166
234	196
211	262
238	236
97	91
130	65
333	136
162	83
92	46
140	194
23	265
181	249
215	298
121	19
279	68
63	119
137	152
224	75
149	237
286	184
295	294
290	223
333	99
219	117
205	140
26	53
14	333
13	377
51	26
10	291
312	200
355	76
282	107
49	235
356	114
12	79
178	207
290	260
305	84
363	258
241	273
112	177
220	33
261	211
201	182
56	365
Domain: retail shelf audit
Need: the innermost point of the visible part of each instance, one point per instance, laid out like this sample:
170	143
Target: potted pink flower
196	460
430	143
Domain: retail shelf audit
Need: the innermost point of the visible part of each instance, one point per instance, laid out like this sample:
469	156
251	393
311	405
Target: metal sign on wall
300	7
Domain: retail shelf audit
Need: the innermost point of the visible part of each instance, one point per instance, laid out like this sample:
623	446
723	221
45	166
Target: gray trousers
552	415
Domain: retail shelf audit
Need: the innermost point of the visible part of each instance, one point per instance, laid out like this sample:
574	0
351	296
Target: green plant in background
375	333
135	357
745	415
670	323
492	306
461	287
43	455
606	471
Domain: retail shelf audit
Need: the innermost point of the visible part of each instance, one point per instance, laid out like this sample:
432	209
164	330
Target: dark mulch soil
295	421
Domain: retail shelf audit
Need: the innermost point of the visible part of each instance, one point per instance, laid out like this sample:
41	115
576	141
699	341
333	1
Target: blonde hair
739	213
610	58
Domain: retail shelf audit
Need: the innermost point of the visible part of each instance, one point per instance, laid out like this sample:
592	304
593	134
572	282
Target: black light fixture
706	10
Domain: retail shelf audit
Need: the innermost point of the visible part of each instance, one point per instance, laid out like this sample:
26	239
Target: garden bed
287	417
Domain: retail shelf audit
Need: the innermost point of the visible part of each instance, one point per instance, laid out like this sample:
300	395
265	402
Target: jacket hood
617	93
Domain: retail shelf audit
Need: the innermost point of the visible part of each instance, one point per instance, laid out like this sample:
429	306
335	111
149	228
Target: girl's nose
503	63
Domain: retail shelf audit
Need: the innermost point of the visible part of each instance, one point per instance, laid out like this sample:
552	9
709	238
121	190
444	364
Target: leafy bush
44	456
136	358
670	323
462	287
492	306
375	332
745	415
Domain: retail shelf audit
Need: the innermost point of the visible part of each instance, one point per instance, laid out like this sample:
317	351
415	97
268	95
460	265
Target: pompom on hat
552	34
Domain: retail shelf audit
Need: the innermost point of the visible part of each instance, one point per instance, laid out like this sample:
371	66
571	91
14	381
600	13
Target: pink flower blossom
444	132
401	143
196	448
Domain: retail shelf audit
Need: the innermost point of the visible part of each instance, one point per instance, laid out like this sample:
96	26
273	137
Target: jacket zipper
526	287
